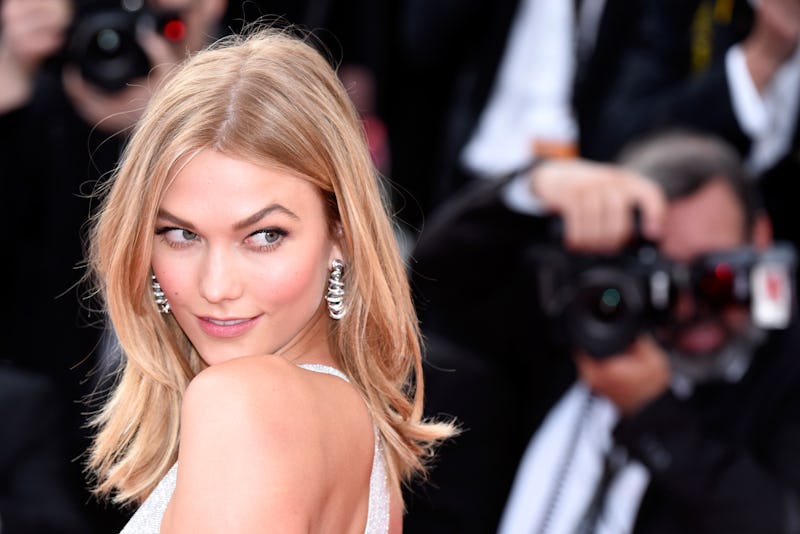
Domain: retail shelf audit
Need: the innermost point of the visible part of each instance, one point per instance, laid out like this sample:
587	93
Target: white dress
147	519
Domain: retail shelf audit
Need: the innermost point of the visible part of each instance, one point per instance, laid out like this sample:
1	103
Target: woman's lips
226	327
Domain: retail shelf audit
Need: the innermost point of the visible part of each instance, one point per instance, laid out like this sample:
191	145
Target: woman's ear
337	235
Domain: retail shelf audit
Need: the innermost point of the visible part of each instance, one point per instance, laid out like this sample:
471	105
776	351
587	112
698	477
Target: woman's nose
219	280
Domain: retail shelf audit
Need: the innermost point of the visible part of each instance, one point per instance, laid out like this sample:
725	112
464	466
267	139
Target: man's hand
118	111
773	39
596	202
630	379
30	31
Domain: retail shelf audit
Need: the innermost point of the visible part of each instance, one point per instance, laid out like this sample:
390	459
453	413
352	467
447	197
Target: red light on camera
723	272
717	284
174	30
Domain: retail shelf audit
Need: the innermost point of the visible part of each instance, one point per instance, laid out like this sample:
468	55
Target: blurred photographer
74	77
111	51
660	398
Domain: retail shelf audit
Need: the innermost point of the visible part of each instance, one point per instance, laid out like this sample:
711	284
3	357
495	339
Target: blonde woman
272	370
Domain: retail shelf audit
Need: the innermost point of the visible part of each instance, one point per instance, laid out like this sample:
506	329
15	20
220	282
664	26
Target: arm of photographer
491	358
721	457
720	460
30	32
480	232
724	459
479	314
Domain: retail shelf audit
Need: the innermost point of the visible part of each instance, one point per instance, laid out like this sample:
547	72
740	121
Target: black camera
103	41
600	304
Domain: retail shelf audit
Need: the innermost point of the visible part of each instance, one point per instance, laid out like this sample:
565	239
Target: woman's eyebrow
260	214
244	223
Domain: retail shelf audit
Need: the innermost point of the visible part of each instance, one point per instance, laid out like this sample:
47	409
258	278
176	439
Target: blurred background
452	93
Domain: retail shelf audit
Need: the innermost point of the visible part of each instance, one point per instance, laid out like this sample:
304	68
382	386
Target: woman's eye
186	235
177	236
267	237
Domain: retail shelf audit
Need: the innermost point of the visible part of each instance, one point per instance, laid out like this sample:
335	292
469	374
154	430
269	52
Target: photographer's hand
118	111
630	379
773	39
596	202
30	32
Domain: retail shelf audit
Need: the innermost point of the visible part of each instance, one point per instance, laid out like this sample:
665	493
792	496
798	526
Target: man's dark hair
682	161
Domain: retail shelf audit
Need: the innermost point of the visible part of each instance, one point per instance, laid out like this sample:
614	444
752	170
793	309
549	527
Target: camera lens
607	310
103	45
107	42
609	305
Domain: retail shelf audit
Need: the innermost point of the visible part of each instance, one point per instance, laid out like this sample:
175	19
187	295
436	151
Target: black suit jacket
38	494
661	83
442	66
656	83
442	59
494	363
50	161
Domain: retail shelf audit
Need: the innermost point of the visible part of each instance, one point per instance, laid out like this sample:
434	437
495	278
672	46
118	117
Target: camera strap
572	475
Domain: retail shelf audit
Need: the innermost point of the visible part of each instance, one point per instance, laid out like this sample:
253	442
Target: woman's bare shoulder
263	378
248	447
257	400
266	390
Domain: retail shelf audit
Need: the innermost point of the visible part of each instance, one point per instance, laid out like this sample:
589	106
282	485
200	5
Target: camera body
103	43
600	304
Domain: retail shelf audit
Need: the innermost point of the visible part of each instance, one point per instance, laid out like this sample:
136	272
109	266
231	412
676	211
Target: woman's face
242	253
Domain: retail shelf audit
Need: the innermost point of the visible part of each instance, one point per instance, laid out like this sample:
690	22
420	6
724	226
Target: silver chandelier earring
158	294
335	293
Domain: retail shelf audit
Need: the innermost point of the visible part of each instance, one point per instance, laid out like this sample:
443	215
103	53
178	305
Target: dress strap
324	369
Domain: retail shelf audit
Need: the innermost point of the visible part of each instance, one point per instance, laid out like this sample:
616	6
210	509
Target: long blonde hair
269	98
